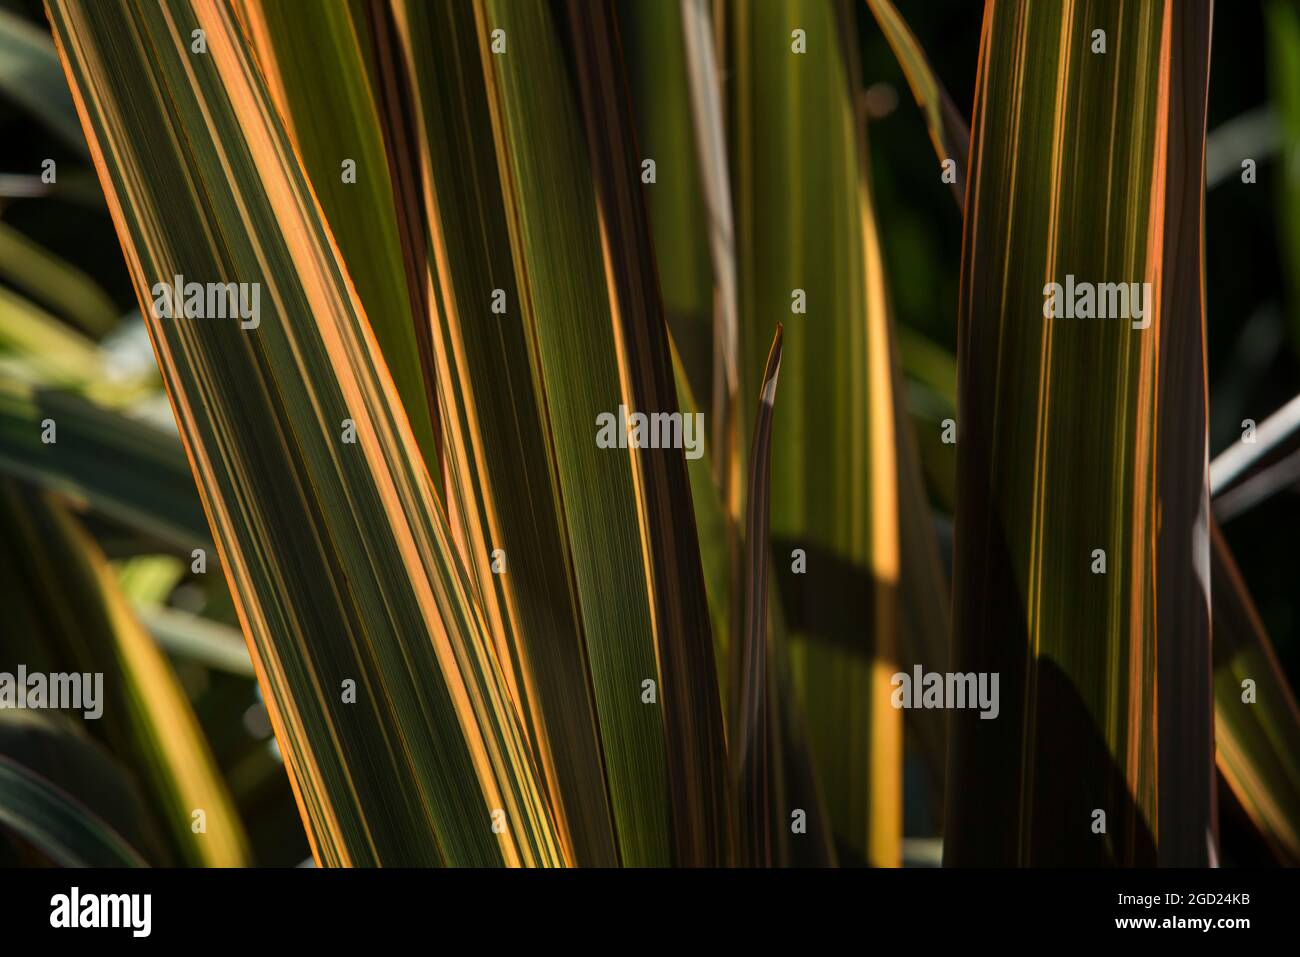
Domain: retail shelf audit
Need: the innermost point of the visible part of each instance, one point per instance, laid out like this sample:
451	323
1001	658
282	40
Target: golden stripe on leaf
387	699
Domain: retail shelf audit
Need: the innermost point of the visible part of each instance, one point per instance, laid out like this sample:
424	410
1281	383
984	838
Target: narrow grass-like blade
945	122
796	792
757	735
707	114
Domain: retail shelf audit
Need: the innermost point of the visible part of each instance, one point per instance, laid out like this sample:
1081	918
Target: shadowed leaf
57	823
1255	739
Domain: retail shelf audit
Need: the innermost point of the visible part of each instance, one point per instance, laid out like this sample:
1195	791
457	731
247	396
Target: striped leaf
834	472
692	715
1084	164
384	689
509	524
316	72
595	352
1261	776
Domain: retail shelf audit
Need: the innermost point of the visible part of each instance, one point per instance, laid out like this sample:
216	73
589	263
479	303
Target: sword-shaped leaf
692	714
756	739
807	249
501	491
315	69
1094	609
592	360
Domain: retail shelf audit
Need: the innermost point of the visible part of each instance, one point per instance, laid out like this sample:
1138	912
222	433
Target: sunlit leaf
1087	165
944	121
834	471
315	70
387	698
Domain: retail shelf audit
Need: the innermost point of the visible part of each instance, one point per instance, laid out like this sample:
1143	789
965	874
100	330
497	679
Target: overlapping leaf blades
66	614
500	480
366	516
316	72
812	244
386	694
501	647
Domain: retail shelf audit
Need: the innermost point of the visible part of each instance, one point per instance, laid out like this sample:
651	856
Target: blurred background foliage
61	267
60	258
